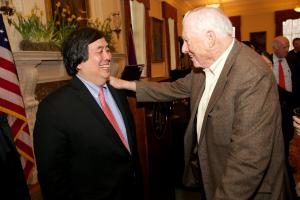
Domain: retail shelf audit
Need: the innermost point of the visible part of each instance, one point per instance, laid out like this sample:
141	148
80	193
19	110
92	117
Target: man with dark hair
296	50
296	74
84	136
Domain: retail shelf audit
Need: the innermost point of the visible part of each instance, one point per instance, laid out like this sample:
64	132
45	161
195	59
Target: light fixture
116	23
6	8
297	7
213	3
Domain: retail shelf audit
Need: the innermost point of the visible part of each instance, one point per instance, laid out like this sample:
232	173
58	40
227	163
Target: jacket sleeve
164	91
50	147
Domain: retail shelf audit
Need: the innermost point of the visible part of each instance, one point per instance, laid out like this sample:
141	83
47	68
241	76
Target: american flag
11	103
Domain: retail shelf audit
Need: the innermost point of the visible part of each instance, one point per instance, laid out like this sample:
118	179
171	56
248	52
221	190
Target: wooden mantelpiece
36	67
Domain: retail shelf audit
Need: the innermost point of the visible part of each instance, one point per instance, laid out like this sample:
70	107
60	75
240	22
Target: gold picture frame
79	7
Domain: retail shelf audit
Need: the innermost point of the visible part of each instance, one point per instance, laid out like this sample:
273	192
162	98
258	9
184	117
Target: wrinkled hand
122	84
115	82
296	124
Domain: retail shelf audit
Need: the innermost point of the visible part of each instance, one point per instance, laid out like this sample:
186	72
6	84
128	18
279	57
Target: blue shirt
94	90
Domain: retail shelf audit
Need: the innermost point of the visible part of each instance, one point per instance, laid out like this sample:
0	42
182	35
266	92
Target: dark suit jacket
289	100
241	150
296	54
78	153
294	61
285	97
12	182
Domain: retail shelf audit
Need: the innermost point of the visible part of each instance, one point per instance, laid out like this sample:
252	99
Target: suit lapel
86	97
94	108
221	83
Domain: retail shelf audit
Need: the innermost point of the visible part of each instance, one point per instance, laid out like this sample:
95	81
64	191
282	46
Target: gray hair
208	18
275	43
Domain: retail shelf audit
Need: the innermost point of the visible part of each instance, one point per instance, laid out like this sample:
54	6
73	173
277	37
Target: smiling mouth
105	66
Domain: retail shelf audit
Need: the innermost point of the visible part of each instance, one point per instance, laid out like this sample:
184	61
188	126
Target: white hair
208	18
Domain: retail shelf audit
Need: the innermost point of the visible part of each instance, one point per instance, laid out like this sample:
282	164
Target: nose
184	48
107	55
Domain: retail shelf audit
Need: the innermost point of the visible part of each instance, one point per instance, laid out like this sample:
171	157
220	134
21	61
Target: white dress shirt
212	75
286	71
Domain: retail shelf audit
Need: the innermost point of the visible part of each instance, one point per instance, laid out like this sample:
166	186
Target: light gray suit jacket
241	144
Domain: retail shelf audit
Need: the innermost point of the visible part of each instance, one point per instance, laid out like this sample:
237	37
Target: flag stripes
11	103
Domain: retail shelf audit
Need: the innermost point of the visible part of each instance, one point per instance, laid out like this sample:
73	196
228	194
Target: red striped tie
111	117
281	75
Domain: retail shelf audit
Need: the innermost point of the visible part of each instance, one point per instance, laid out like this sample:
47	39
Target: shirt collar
91	86
276	59
215	67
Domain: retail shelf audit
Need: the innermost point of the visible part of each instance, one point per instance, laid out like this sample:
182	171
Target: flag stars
3	32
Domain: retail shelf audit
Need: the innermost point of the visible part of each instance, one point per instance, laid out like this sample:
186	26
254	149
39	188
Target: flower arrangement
64	22
33	30
52	34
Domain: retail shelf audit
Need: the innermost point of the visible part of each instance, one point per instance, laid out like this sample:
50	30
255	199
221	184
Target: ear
79	67
211	38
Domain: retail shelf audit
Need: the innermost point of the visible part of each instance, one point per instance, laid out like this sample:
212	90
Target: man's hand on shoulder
122	84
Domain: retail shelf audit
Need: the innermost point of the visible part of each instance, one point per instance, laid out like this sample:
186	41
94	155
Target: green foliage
31	27
64	22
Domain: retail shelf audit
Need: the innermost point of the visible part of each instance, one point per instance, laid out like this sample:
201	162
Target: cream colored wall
257	23
102	9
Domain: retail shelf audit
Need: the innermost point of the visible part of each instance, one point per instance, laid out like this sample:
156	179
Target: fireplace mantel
35	67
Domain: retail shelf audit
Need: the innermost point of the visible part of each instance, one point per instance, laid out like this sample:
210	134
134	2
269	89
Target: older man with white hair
233	142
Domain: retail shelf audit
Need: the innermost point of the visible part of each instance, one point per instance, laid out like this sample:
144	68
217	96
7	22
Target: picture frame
259	40
157	54
78	7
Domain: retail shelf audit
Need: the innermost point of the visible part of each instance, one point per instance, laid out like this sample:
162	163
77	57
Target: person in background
12	182
296	80
284	71
233	142
84	135
296	50
285	75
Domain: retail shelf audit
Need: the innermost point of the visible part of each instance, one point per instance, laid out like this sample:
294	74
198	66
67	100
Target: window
291	29
138	28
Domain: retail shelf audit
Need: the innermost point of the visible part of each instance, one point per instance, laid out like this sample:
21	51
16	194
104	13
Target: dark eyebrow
101	47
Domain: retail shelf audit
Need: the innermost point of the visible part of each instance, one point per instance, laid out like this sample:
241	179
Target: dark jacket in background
13	185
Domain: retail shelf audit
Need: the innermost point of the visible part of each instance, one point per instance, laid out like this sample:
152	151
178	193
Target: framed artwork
77	7
157	40
259	40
